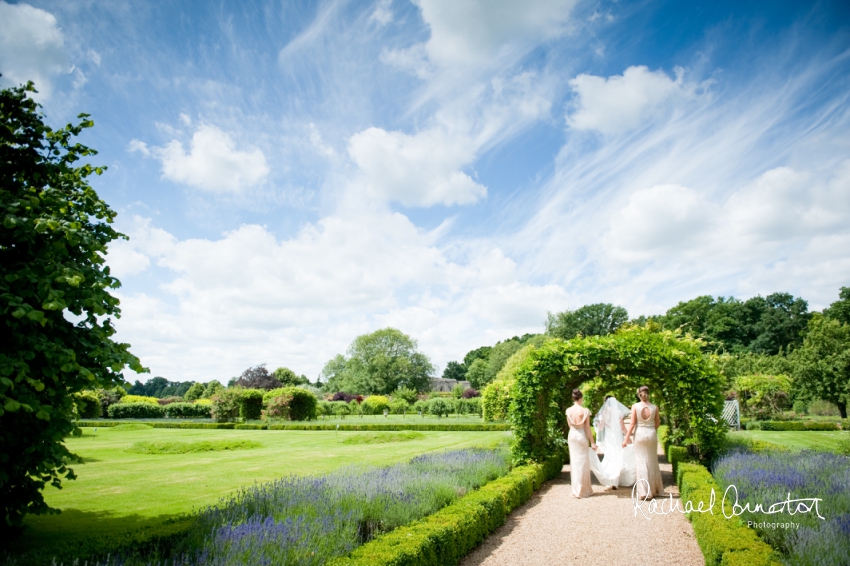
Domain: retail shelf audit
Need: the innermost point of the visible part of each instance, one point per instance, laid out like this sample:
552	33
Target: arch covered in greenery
685	385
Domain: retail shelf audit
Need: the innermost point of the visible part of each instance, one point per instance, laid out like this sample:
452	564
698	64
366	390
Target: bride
618	467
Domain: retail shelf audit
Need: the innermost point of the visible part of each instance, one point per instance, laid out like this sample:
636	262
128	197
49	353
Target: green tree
212	388
53	241
498	356
379	363
195	392
288	378
782	323
455	371
840	309
482	353
822	364
599	319
476	375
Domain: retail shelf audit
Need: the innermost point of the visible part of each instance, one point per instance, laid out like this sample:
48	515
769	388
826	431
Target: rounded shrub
439	406
195	392
188	411
136	411
496	399
421	407
206	402
324	408
87	405
375	405
251	404
302	405
399	407
341	408
226	404
471	406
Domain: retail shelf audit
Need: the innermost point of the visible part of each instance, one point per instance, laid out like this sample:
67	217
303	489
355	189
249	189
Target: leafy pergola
684	384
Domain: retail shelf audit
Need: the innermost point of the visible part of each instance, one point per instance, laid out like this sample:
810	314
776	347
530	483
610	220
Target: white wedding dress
618	466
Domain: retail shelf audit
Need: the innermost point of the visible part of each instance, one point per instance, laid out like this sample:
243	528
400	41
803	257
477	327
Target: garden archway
683	383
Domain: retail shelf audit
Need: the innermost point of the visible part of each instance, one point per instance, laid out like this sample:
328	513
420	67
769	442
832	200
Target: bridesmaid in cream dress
645	419
580	436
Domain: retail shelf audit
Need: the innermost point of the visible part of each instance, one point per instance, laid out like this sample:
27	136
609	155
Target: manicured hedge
158	424
465	427
675	455
451	533
797	425
753	445
187	411
723	541
136	411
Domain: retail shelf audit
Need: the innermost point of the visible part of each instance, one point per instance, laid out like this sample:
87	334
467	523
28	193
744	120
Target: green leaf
43	415
36	316
12	405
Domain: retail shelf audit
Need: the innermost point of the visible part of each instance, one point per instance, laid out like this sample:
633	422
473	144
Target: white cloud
418	170
31	47
383	13
248	297
138	146
660	220
622	102
213	163
123	260
477	31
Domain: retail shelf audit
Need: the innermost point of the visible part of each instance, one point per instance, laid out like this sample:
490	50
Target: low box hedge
724	542
451	533
798	425
136	411
157	424
187	411
675	455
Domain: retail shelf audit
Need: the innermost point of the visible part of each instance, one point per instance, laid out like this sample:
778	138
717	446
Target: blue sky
294	174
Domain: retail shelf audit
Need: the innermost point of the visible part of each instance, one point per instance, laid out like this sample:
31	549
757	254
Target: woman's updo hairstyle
643	389
577	394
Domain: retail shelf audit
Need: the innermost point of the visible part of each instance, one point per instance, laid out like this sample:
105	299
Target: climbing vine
684	384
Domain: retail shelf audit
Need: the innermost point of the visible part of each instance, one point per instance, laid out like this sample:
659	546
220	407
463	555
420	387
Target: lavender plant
769	478
307	520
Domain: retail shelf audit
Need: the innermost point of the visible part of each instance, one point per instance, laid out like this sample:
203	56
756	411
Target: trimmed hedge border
460	427
454	531
724	542
798	425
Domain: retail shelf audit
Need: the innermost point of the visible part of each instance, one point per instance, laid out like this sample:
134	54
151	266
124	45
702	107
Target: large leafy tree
454	370
761	325
54	235
840	309
289	378
822	364
380	362
599	319
257	377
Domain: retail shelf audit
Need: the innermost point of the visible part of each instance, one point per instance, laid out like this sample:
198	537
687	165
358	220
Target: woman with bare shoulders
580	436
645	419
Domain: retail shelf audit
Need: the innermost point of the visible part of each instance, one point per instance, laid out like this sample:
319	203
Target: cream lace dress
579	458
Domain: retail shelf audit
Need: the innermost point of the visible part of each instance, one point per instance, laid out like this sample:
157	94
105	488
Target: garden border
724	542
458	427
455	530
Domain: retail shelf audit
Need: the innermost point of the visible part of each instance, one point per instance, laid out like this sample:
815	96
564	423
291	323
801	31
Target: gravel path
552	529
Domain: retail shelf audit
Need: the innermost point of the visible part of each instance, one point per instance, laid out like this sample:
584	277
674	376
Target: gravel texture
553	528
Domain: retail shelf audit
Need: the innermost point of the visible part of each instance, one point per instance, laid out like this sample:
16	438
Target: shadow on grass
77	535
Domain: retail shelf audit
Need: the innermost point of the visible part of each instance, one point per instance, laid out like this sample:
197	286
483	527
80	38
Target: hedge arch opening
685	385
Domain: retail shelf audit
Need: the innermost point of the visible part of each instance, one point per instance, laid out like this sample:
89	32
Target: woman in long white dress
578	439
645	419
617	467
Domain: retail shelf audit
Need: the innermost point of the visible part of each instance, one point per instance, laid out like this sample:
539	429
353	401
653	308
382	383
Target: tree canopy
289	378
160	387
840	309
822	365
761	325
53	241
379	363
257	377
599	319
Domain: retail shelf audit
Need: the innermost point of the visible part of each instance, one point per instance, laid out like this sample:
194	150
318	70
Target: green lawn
798	440
118	490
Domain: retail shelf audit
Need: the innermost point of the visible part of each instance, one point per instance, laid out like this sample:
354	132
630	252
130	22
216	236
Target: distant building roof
446	385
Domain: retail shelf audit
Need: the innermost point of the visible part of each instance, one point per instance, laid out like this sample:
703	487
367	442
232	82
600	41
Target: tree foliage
840	309
454	370
379	363
599	319
257	377
758	325
288	378
53	241
822	364
160	387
